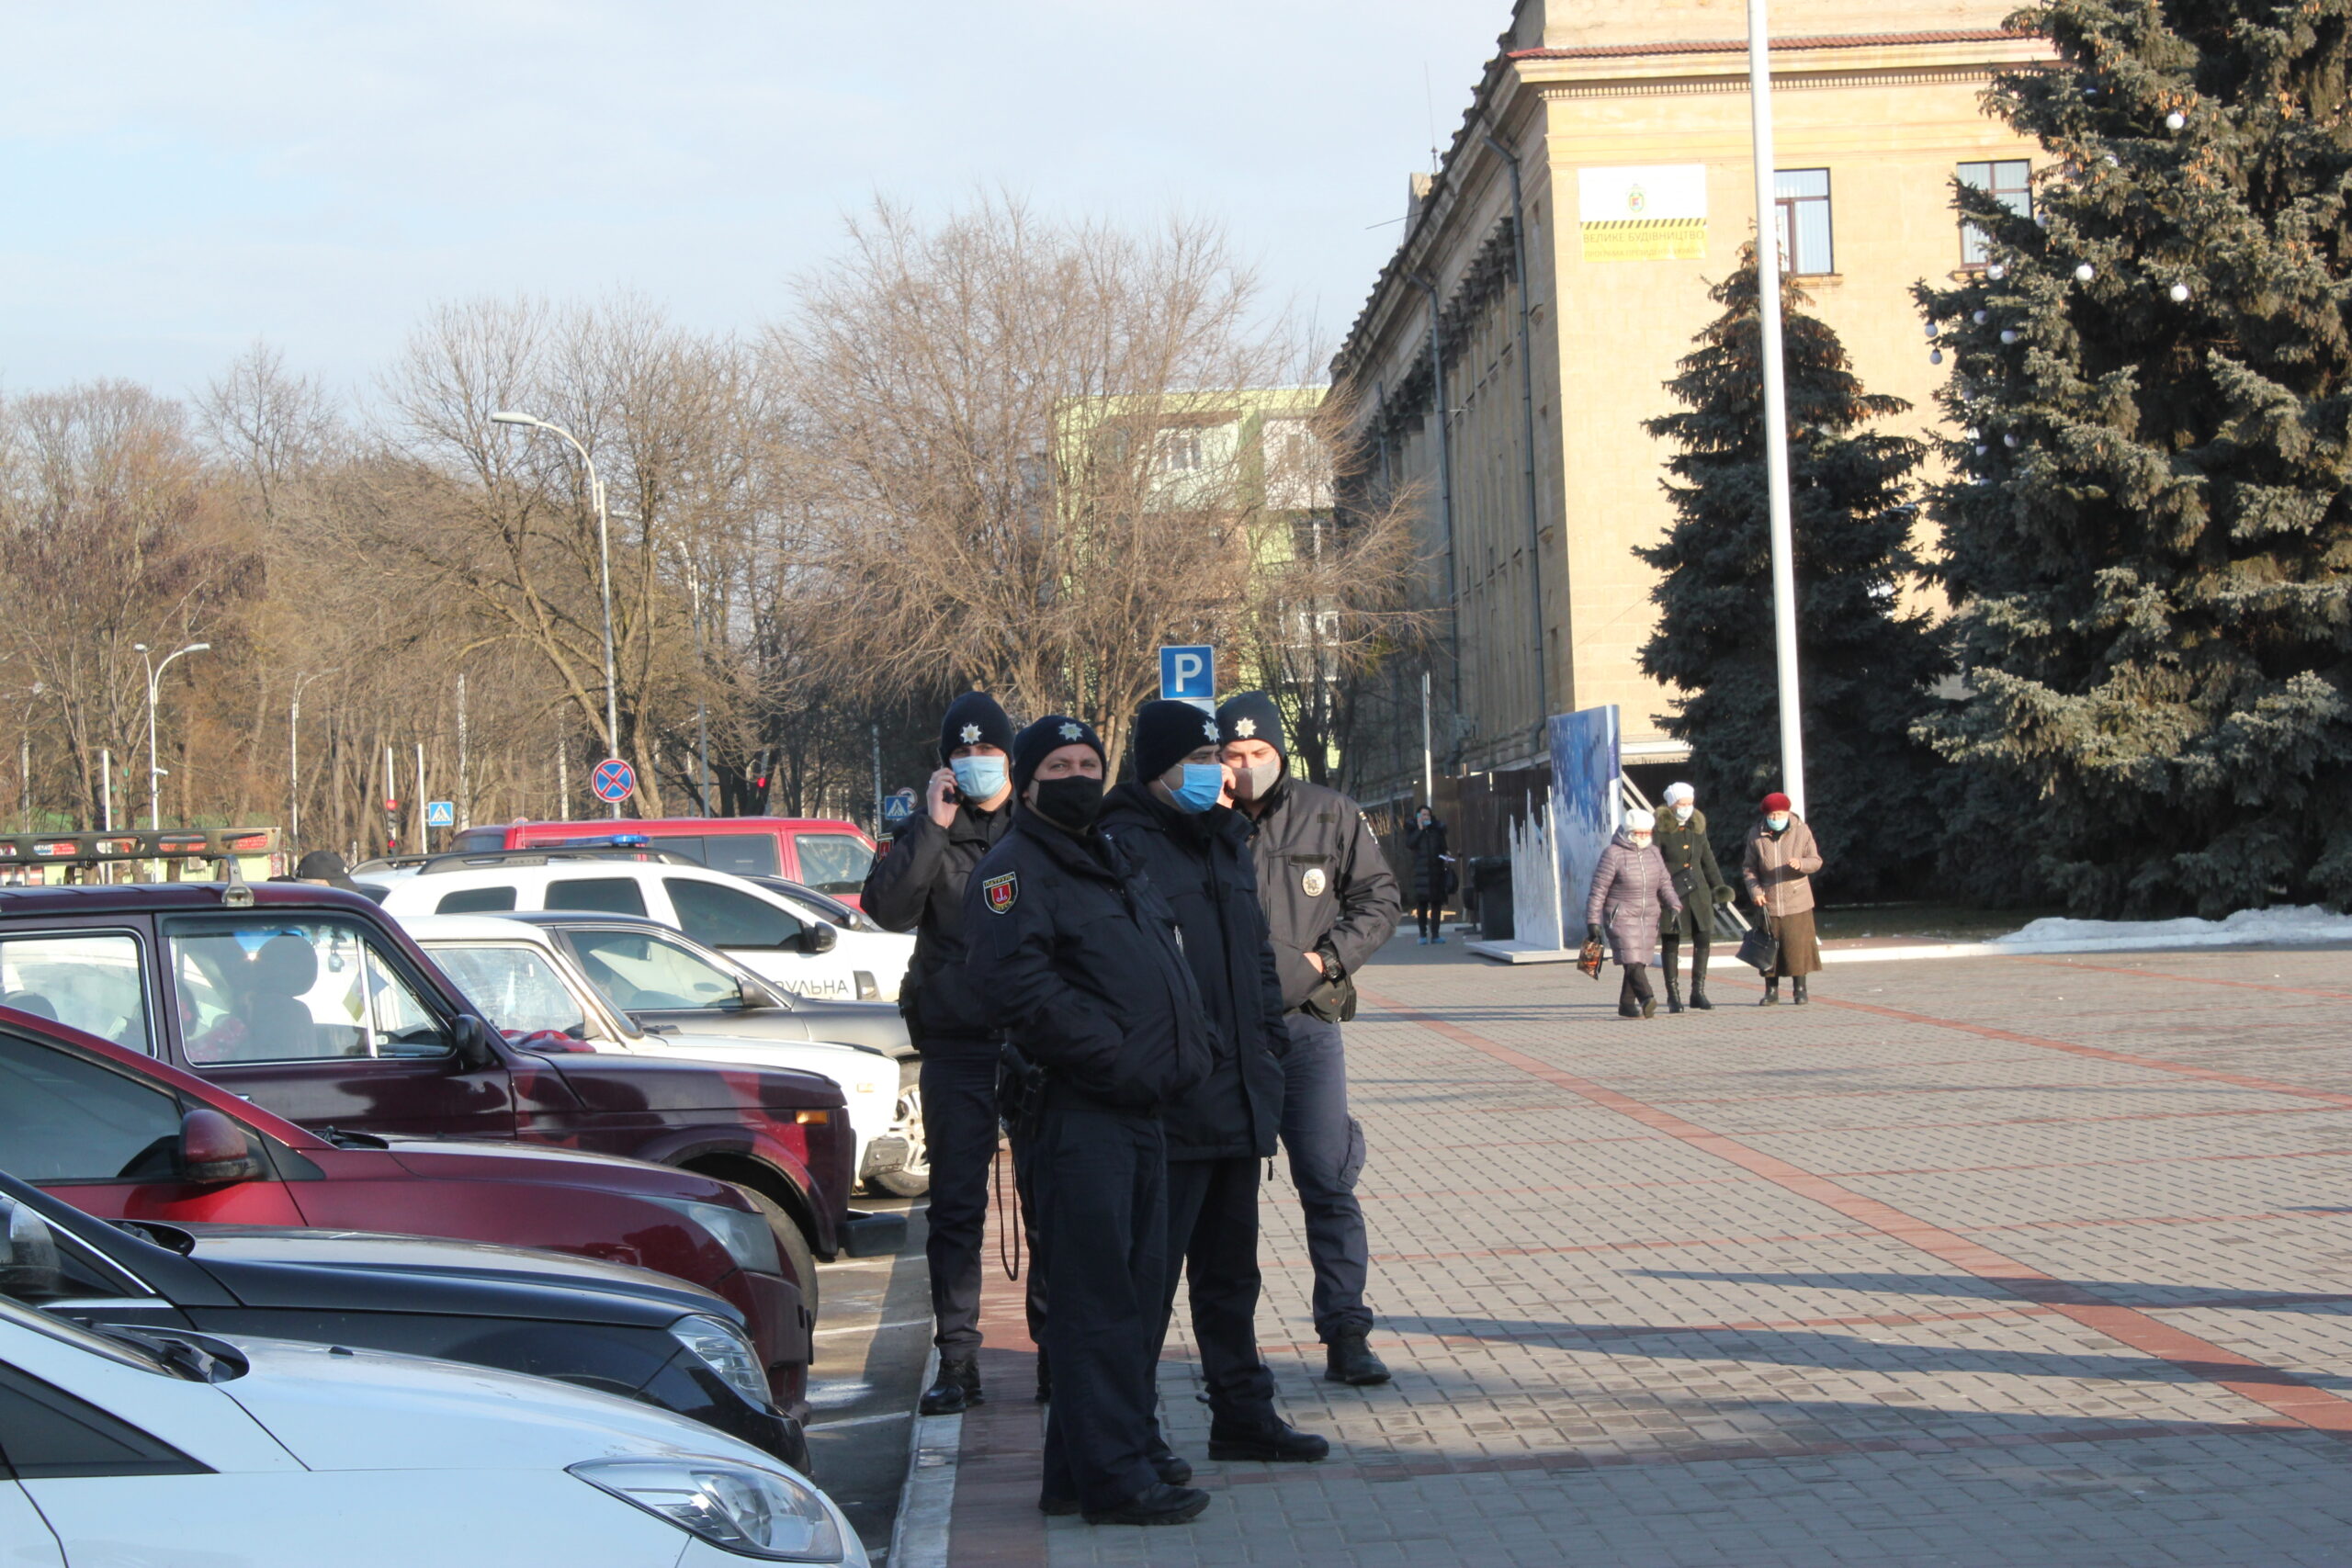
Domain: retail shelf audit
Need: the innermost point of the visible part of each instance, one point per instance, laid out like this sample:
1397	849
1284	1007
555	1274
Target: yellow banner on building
1648	212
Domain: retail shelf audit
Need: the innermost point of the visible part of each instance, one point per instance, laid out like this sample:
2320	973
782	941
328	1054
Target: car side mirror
470	1037
213	1150
818	937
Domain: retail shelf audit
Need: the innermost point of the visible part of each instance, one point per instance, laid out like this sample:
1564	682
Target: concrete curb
927	1497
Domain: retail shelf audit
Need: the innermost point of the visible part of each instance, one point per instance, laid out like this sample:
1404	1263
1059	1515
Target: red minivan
829	855
120	1135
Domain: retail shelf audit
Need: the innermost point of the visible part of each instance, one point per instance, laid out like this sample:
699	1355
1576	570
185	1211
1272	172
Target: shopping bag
1588	959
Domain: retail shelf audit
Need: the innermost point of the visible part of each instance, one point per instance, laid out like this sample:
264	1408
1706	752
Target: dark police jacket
1200	863
1075	956
1325	886
918	885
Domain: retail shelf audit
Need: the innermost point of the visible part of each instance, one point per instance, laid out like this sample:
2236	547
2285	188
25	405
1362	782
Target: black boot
1772	997
1159	1505
1699	977
1797	982
1272	1440
1629	1000
1349	1359
1637	977
956	1389
1673	995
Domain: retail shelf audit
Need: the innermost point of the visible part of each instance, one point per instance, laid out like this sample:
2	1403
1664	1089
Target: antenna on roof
1429	102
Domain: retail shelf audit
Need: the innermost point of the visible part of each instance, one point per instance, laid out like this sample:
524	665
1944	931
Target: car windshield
516	987
639	972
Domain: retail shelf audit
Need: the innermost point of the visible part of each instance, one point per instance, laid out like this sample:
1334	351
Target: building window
2009	181
1180	451
1801	215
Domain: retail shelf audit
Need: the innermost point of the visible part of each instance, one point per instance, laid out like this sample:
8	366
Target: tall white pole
1429	752
1776	405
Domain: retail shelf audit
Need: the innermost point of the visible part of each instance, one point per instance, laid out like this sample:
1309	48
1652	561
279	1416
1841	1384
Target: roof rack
136	844
542	854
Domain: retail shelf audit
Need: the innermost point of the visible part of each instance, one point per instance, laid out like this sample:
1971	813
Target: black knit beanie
974	719
1253	715
1043	738
1166	733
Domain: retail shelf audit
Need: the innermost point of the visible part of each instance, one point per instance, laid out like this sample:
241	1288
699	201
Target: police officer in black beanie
1075	956
918	884
1172	816
1330	901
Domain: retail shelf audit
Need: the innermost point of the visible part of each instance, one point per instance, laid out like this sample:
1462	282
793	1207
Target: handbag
1758	950
1588	959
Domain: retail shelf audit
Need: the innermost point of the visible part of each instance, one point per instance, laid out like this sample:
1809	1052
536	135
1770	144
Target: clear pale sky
180	179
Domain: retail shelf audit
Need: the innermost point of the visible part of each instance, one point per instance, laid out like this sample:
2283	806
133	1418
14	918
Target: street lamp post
1776	404
294	756
604	565
155	674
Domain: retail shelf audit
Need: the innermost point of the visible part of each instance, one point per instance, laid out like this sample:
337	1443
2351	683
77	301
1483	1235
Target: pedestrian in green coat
1690	861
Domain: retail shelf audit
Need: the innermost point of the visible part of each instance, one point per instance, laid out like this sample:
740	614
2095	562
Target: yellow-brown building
1629	122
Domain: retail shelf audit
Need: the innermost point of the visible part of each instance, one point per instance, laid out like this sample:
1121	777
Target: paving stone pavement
1985	1262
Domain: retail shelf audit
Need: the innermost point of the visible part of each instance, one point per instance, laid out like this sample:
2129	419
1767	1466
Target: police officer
918	885
1074	955
1172	818
1330	901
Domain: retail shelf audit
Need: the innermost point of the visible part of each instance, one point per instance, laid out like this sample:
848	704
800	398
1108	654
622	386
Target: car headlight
756	1512
722	1346
745	1236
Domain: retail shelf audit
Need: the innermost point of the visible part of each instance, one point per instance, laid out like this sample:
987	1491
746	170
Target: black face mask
1073	802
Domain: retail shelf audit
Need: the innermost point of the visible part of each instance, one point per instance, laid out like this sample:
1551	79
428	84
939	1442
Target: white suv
765	931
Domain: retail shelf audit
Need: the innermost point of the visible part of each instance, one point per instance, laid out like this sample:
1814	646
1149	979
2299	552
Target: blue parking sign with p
1188	674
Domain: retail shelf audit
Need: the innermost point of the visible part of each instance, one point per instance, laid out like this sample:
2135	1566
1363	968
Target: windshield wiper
195	1361
345	1138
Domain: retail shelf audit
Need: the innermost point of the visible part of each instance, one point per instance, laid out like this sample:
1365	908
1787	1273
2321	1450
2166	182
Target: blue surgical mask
1777	823
979	778
1203	781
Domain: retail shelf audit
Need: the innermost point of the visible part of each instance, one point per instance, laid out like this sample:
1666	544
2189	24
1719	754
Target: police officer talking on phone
1074	954
1330	901
1173	818
918	885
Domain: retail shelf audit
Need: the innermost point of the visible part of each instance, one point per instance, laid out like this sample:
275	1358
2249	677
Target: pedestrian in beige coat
1778	868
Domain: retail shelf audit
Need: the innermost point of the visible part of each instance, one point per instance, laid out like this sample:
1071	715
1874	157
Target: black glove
1722	893
1592	930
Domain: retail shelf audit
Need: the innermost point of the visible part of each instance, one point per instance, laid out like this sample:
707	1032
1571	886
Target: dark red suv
314	1004
121	1136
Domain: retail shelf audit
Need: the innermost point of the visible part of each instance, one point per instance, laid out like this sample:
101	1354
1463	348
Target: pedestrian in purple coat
1631	891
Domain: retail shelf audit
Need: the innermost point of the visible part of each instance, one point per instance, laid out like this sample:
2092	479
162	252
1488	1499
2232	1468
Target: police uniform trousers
1326	1149
1099	1177
1212	1230
959	1121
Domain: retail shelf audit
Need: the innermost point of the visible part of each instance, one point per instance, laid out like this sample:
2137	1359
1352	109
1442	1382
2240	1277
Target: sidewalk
2023	1262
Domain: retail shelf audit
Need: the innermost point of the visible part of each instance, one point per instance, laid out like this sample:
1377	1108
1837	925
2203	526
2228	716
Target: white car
765	931
527	983
167	1448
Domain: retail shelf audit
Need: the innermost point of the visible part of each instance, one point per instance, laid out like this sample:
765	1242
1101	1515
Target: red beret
1776	801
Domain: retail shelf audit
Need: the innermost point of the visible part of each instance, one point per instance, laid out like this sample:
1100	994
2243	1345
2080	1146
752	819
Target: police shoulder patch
1001	891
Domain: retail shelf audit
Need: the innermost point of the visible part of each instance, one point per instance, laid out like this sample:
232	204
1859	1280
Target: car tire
912	1180
799	1255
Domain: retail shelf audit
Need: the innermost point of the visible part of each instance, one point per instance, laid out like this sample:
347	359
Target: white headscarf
1639	821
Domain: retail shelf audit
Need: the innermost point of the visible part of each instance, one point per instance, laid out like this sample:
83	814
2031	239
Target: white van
773	936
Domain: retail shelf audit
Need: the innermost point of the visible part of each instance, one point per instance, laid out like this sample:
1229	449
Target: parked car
529	982
824	852
313	1003
763	930
607	1326
158	1445
124	1137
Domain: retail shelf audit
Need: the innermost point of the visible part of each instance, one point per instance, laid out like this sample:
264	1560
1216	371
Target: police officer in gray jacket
1331	902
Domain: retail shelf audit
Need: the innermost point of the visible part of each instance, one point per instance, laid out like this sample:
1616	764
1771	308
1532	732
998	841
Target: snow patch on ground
2296	925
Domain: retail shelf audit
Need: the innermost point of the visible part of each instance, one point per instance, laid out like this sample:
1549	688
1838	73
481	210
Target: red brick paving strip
999	1463
2242	1375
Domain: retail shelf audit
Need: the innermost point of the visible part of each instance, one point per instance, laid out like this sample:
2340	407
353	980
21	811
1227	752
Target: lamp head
508	416
195	647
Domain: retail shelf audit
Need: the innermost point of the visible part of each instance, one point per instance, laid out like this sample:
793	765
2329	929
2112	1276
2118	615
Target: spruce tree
1865	662
2148	536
